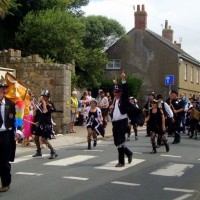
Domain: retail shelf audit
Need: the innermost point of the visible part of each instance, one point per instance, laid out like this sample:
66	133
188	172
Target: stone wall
38	75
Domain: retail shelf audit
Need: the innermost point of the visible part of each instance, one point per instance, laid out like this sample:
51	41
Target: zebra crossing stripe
179	190
28	173
75	178
111	165
171	156
125	183
172	170
70	161
184	197
28	157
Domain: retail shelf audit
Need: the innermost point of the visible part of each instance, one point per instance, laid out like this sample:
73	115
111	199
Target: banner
17	90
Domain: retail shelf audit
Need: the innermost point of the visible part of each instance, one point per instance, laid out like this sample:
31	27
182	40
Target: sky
183	17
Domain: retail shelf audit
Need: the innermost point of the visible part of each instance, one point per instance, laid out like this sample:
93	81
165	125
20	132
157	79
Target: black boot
89	143
120	157
53	154
166	146
38	153
95	142
153	147
128	153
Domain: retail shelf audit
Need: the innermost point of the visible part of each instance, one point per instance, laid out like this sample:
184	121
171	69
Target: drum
195	114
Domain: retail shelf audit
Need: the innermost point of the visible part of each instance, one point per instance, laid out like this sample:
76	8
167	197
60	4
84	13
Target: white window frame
185	72
191	73
197	76
113	64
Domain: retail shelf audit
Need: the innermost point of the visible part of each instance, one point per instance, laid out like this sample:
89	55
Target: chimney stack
177	44
140	18
167	32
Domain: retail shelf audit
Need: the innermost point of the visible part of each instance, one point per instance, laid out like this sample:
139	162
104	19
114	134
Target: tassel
19	107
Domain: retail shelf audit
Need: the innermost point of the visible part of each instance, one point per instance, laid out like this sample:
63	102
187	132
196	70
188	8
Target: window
191	74
113	64
185	72
197	76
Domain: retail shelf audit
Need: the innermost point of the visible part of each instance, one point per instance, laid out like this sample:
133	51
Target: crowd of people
172	116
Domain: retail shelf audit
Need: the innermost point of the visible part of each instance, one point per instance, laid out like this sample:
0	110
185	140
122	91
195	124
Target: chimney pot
166	24
138	7
143	7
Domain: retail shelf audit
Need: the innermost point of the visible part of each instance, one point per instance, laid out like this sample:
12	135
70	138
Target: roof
180	53
173	47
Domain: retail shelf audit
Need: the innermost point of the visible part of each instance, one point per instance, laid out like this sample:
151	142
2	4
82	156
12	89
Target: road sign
169	80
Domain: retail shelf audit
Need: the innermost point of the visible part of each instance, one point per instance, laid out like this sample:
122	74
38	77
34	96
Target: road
81	174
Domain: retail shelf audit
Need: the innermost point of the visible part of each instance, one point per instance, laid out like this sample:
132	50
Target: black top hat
45	93
117	87
3	83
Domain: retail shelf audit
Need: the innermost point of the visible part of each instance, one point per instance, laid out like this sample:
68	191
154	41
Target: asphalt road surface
81	174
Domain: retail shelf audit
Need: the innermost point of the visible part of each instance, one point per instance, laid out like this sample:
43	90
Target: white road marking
137	153
76	178
27	173
172	170
93	150
183	197
28	157
111	165
172	156
179	190
70	161
125	183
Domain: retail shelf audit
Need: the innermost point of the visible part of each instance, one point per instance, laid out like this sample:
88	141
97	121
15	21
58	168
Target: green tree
5	6
99	30
51	32
10	25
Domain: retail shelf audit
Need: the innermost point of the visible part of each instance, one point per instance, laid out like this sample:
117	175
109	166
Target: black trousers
119	131
5	154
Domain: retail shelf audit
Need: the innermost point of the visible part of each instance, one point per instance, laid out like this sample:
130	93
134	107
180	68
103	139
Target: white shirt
117	114
167	109
3	103
103	102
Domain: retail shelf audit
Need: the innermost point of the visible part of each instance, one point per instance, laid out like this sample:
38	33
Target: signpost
169	81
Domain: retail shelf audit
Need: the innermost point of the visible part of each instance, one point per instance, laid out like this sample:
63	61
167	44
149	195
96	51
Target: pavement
71	139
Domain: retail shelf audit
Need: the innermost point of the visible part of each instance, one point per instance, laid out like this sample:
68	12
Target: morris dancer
119	118
44	124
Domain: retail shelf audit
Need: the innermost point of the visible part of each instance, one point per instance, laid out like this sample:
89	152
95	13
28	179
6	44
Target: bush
134	85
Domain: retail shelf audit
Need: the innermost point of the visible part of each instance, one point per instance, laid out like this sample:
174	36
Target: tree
11	23
51	32
99	30
6	5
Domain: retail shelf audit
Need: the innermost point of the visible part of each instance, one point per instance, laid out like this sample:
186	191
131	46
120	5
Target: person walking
177	106
43	124
8	136
156	121
146	109
74	111
94	119
103	104
118	113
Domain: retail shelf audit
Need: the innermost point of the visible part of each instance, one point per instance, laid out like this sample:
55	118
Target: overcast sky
182	16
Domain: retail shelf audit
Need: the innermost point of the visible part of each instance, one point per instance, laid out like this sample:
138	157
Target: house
152	57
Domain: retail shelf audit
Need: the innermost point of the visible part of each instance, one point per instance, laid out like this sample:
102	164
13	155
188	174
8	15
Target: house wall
186	84
146	57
